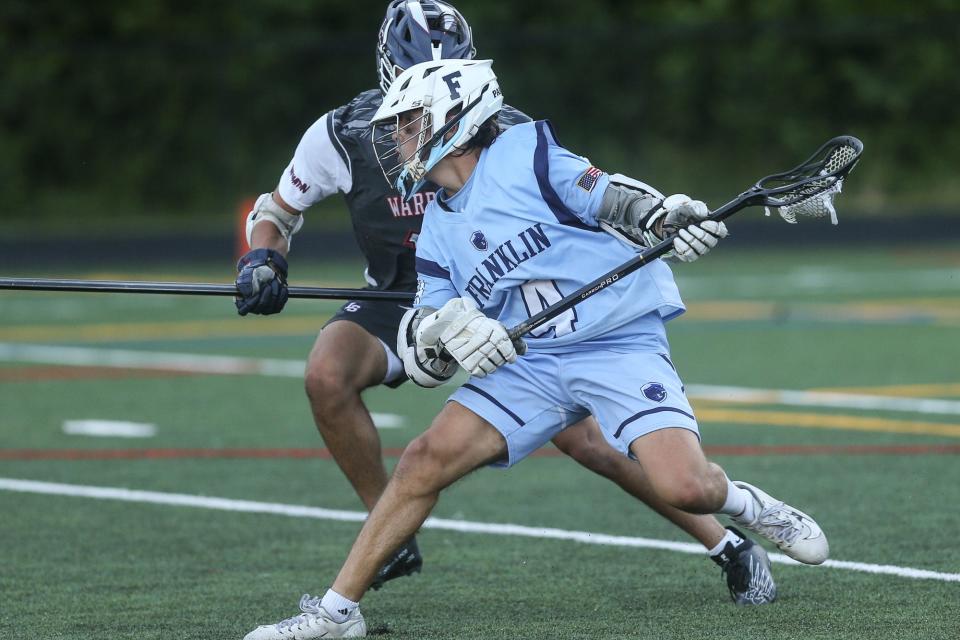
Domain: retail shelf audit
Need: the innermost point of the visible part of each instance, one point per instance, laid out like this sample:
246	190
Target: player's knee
689	493
420	462
325	383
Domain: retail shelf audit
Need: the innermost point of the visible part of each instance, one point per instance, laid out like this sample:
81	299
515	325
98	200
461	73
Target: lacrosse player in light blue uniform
518	223
512	266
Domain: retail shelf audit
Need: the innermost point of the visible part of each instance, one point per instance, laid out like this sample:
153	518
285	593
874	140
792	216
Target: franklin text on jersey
504	259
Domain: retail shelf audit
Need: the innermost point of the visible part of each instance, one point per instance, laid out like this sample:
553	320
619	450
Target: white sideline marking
464	526
231	365
387	420
129	359
822	399
109	428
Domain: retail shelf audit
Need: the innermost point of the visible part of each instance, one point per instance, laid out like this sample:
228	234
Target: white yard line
463	526
232	365
388	420
109	429
164	361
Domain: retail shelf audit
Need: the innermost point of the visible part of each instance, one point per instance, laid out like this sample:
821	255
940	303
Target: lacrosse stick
806	190
192	288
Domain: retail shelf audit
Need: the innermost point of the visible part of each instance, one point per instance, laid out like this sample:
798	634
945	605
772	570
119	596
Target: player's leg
584	443
456	443
350	355
744	564
345	360
499	419
682	476
661	431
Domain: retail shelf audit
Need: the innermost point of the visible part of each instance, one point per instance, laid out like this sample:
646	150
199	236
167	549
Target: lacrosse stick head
809	189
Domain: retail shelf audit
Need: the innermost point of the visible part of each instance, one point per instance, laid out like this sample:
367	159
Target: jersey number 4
540	294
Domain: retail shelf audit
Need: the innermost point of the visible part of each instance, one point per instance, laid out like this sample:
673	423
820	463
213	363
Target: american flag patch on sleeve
589	178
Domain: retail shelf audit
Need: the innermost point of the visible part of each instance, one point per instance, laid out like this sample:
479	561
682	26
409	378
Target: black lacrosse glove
261	282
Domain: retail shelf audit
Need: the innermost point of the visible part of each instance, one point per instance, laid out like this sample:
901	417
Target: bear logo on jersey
479	241
654	391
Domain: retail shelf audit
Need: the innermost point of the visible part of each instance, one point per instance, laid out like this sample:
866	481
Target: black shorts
379	318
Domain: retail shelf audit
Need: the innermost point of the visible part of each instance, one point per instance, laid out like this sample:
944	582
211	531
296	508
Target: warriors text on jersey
522	233
336	154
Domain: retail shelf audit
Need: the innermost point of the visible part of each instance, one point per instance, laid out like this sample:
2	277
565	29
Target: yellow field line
932	390
946	302
727	310
938	311
290	325
881	310
826	421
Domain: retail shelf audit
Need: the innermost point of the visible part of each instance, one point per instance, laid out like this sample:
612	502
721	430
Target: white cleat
313	622
794	532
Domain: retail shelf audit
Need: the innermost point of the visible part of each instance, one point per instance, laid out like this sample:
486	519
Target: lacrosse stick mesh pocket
815	206
814	198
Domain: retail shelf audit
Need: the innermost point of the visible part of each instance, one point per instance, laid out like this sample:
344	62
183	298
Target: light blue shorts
630	393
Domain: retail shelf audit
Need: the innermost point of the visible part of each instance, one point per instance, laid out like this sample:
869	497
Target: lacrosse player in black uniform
356	349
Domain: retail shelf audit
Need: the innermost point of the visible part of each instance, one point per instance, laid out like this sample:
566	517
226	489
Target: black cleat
747	570
406	561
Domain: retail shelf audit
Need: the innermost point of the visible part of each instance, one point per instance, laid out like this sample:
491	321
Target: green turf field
868	443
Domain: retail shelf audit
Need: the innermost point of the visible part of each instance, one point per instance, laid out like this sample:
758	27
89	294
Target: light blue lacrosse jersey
522	233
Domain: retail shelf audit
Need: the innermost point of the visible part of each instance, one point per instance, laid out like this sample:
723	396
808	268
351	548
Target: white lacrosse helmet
448	95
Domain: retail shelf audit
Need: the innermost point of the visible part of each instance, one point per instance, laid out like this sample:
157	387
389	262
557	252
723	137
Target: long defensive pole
190	289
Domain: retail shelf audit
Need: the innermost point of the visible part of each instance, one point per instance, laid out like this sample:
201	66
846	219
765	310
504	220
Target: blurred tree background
166	112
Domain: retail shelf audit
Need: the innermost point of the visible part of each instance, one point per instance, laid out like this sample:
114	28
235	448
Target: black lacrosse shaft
591	288
213	289
745	199
191	288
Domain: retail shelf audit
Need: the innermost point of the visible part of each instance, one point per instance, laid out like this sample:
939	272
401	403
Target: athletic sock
338	607
729	538
739	504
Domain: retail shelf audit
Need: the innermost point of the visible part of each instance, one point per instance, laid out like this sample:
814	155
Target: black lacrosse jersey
336	154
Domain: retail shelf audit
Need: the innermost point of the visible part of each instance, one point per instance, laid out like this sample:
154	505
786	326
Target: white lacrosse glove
695	235
480	344
421	357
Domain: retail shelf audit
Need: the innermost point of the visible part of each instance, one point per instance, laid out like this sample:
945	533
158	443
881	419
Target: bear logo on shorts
654	391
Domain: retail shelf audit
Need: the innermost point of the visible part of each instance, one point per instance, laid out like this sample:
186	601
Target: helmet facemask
389	138
407	172
432	110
